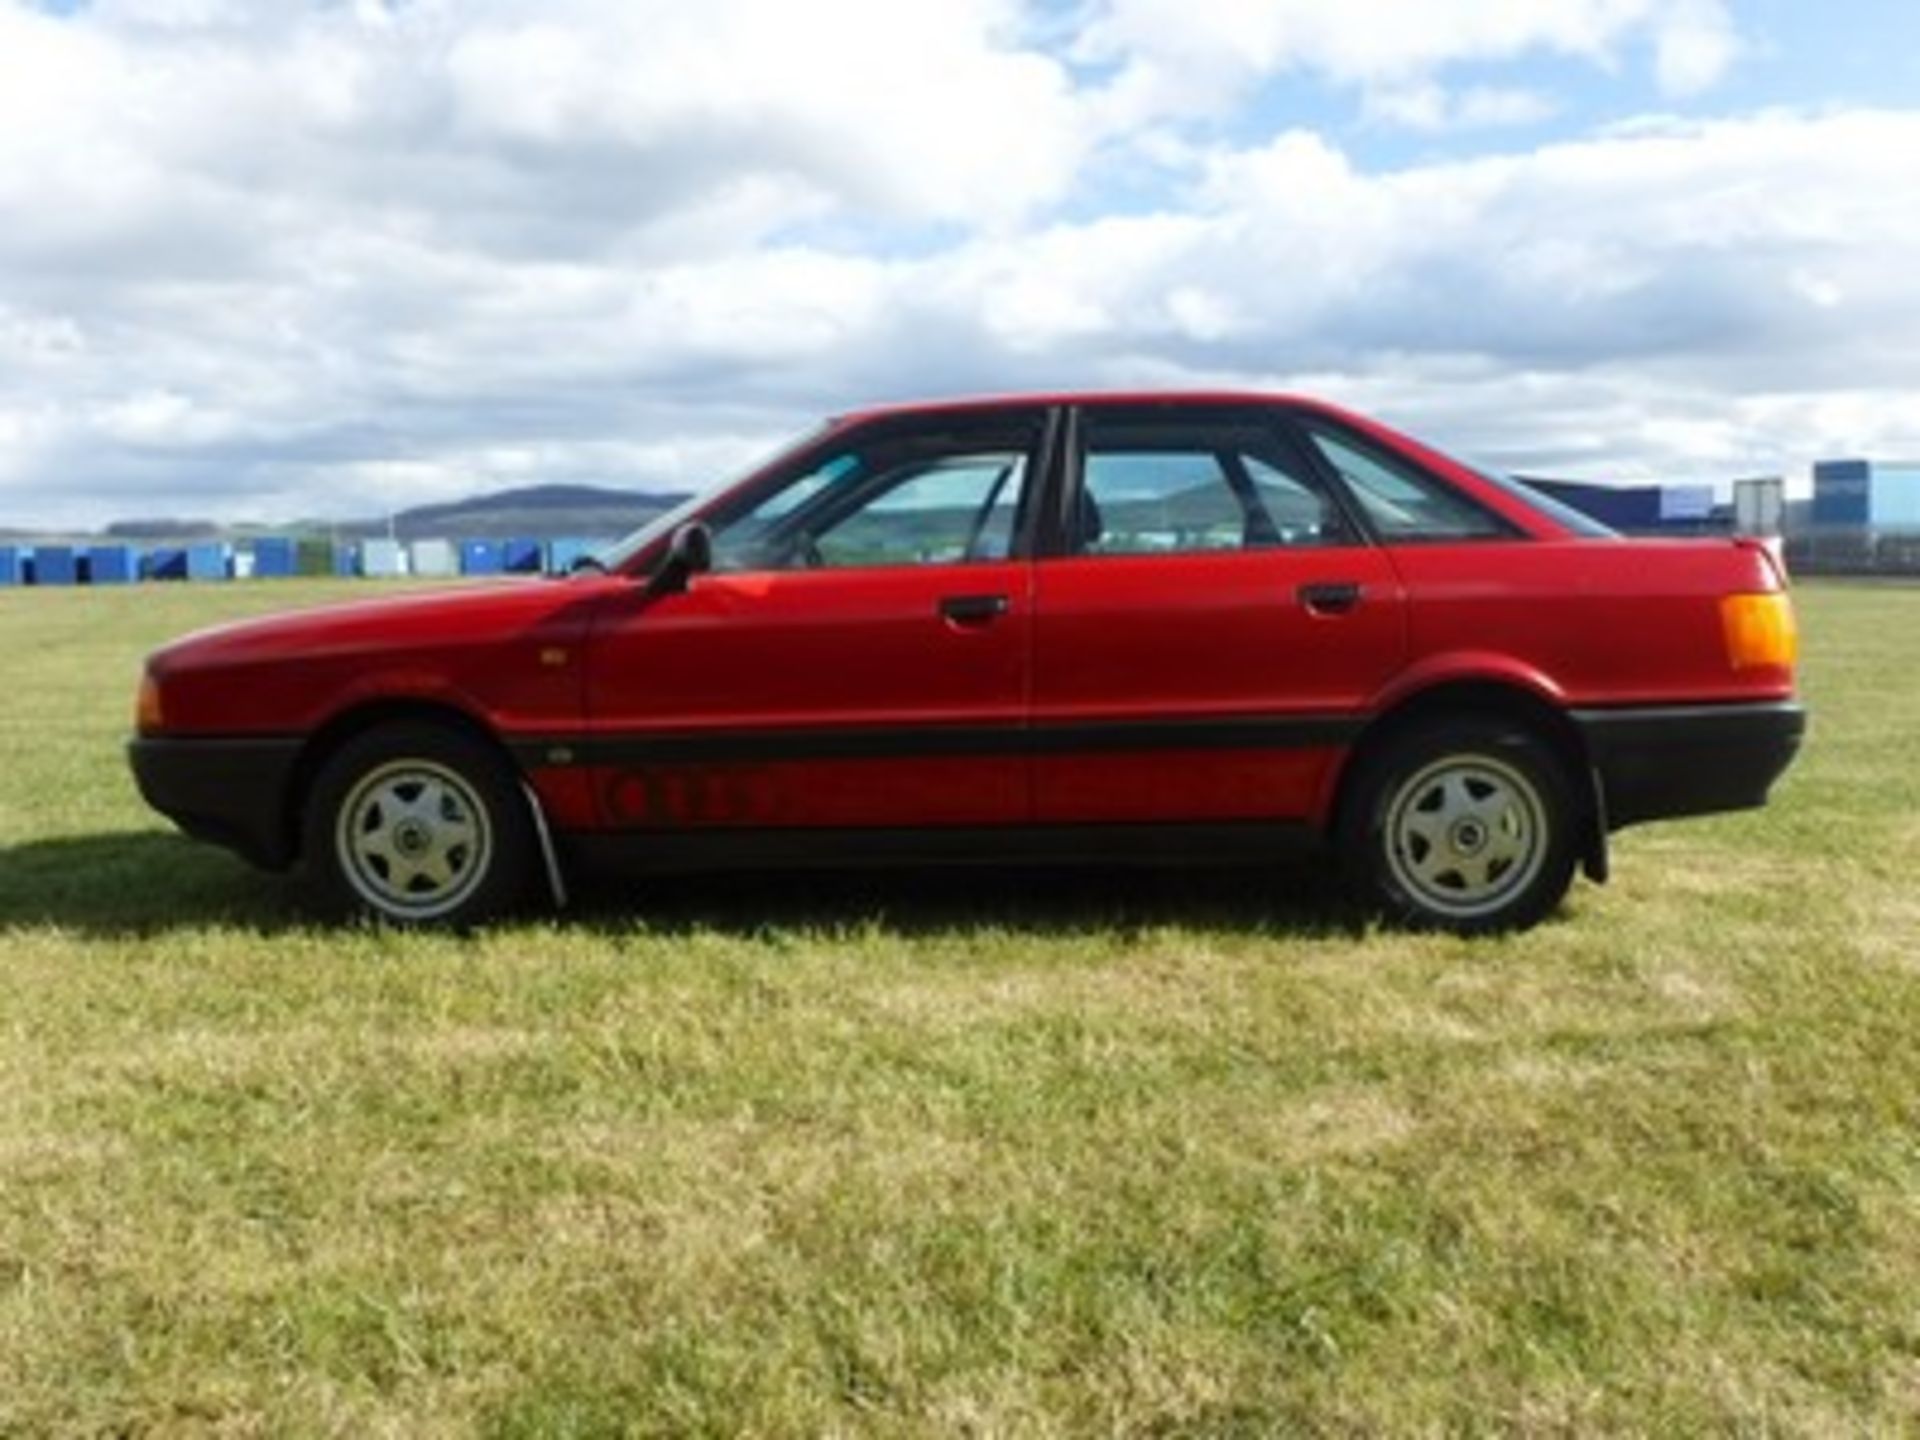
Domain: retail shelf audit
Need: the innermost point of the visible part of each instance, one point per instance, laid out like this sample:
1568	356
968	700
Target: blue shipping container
109	564
480	557
521	557
55	565
207	561
169	562
273	558
10	567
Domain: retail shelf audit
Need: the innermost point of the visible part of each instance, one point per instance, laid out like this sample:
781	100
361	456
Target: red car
1085	626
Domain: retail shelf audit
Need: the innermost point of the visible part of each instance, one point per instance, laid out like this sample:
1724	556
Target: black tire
1467	824
418	824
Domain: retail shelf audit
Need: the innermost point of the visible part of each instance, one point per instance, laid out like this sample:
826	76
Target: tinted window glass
912	499
1301	515
1403	502
1577	521
932	514
1154	485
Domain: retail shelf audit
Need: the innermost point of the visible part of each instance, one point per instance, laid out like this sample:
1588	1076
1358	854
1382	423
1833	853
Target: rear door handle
973	609
1330	597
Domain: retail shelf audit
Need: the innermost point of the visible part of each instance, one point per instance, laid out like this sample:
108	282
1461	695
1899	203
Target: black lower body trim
1661	764
230	792
669	851
1248	732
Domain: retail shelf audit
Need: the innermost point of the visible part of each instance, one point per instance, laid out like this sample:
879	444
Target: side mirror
689	553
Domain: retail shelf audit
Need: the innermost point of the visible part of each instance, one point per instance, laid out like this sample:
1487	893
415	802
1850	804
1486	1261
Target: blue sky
1856	54
268	259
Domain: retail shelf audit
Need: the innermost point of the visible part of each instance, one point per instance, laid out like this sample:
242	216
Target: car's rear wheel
418	824
1463	824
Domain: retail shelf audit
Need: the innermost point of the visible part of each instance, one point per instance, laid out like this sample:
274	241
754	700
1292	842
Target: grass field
996	1155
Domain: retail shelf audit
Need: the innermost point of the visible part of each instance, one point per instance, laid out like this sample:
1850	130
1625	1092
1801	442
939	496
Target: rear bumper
1660	764
229	792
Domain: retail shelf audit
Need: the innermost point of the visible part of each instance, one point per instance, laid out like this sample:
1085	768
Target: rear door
858	656
1209	627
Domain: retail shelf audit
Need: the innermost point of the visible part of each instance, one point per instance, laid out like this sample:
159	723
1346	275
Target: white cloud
923	110
1432	107
1198	56
1695	47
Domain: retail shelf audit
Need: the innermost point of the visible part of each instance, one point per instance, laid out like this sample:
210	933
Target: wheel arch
1500	699
357	720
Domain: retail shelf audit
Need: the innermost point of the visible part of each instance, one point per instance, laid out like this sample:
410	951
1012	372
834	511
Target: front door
857	657
1216	627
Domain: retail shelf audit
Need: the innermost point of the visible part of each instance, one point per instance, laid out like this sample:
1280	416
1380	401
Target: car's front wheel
418	824
1464	824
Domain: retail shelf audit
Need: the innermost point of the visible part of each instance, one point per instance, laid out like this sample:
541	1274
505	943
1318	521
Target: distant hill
535	511
581	510
160	529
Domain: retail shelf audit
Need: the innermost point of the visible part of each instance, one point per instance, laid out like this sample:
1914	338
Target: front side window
1403	503
1168	485
920	499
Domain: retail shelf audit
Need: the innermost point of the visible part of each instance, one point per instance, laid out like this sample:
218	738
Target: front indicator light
1761	631
147	717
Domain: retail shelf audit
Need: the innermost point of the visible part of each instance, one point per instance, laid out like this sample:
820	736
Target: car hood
453	615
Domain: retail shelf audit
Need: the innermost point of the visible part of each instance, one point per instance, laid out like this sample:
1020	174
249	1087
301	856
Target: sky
273	259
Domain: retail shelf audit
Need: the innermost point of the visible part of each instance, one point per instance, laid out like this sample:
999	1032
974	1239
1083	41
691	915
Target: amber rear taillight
1761	631
147	718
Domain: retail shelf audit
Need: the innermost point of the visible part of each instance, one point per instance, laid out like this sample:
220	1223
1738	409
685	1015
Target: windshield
664	524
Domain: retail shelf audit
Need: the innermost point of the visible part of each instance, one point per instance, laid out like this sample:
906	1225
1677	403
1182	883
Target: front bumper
1661	764
231	792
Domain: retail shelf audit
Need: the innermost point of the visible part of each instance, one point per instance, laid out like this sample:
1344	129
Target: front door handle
973	609
1330	597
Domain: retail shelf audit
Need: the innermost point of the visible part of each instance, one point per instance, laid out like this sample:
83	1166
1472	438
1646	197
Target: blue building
1678	509
1866	495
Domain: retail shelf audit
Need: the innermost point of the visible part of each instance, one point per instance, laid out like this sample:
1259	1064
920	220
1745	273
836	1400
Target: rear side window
1578	521
1172	484
1403	502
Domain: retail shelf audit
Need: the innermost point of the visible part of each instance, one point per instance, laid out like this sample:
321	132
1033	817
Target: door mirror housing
689	553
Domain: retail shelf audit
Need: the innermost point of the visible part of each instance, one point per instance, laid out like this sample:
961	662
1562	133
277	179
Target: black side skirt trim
690	851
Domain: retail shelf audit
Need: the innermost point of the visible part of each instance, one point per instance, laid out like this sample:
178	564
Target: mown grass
1004	1154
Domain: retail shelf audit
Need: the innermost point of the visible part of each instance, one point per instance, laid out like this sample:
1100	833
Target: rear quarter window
1403	503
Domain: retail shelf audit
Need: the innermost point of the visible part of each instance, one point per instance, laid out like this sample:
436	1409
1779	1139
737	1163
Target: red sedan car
1083	626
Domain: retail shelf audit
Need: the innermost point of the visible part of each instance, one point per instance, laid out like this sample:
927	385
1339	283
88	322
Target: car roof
973	403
